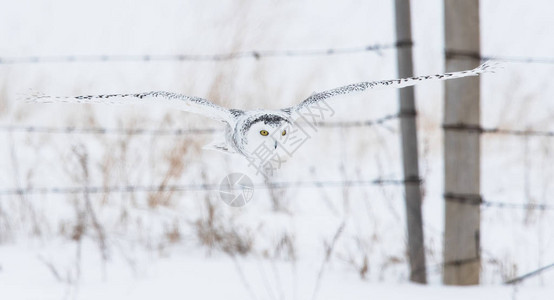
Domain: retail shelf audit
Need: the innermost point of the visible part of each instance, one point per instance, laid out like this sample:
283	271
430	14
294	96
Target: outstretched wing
182	102
393	83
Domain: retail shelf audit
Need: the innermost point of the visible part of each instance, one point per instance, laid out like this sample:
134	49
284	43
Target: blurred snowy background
191	245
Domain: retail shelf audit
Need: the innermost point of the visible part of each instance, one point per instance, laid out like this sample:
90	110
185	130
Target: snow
178	275
154	249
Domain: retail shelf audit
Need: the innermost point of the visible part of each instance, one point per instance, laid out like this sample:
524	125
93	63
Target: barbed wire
518	132
452	197
337	124
529	206
259	54
101	130
499	58
197	187
479	200
145	131
204	57
497	130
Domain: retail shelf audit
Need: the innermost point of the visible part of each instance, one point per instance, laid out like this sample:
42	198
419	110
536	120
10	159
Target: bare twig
24	201
328	252
530	274
52	269
243	277
83	161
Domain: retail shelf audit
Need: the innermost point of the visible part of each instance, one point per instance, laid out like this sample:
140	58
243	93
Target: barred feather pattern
185	103
392	83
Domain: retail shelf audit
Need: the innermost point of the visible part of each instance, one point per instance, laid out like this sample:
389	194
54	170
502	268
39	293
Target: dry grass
3	99
285	248
176	161
218	233
173	234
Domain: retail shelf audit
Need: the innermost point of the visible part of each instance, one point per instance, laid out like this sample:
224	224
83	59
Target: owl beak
275	144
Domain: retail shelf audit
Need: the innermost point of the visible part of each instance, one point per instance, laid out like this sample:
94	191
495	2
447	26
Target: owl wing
185	103
393	83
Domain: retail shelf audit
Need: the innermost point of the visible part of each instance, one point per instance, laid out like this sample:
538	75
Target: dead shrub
215	233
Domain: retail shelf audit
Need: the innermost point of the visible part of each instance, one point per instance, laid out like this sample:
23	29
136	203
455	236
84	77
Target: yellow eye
264	132
284	132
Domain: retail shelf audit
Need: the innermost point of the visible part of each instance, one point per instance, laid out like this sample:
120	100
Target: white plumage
246	131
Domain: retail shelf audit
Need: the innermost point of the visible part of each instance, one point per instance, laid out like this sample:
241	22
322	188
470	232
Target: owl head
263	132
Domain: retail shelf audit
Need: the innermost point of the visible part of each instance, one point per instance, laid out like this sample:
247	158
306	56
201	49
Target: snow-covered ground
197	276
190	244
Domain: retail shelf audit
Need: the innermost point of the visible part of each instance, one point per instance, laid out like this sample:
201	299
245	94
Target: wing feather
179	101
393	83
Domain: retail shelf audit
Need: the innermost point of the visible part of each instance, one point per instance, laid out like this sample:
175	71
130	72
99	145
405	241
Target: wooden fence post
416	246
462	147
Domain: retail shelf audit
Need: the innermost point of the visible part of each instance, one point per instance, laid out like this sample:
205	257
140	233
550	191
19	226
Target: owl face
263	134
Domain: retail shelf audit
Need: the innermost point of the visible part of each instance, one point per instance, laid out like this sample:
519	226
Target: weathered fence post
462	146
416	246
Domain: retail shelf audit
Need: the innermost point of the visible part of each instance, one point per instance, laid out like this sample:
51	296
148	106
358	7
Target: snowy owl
247	130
